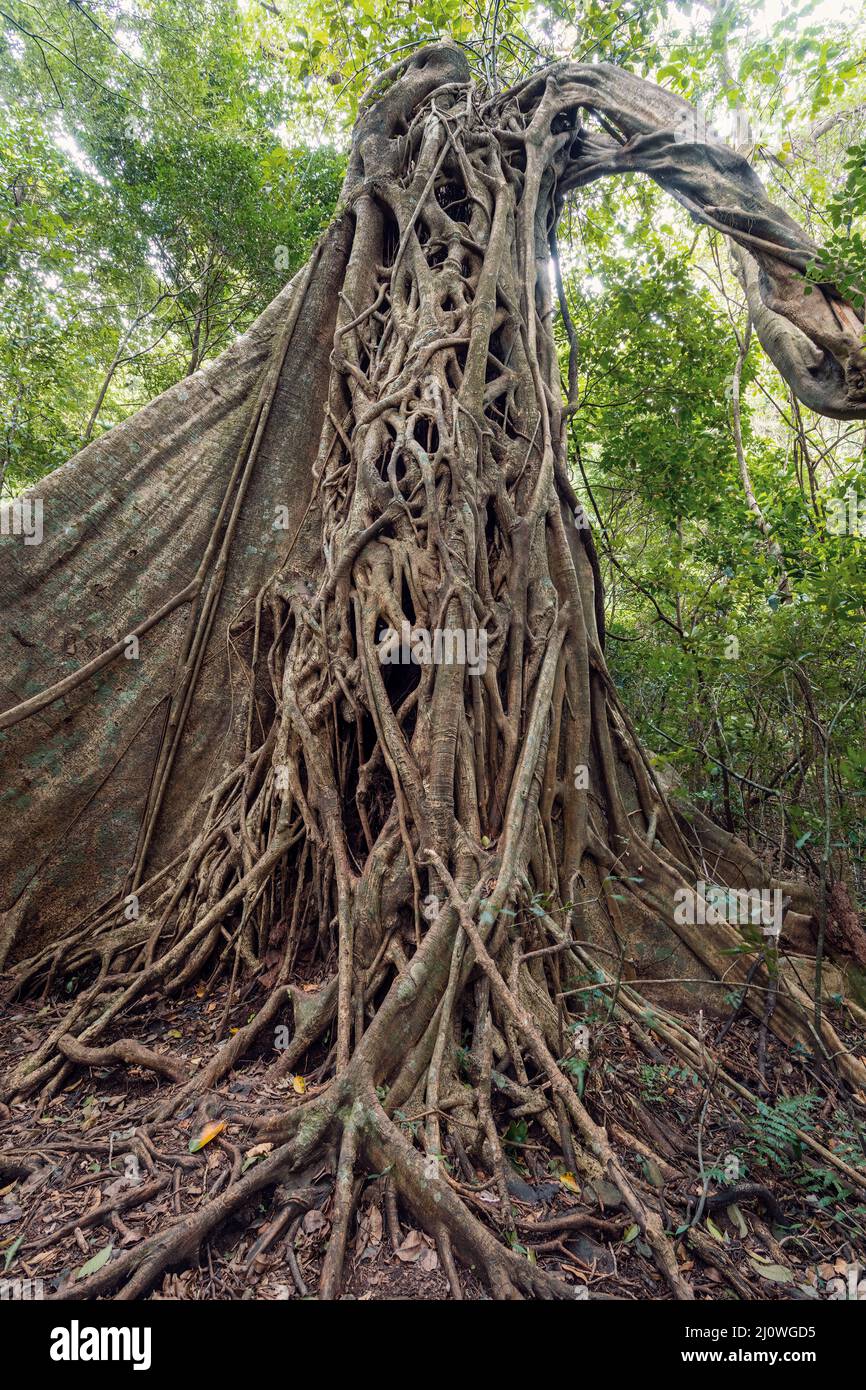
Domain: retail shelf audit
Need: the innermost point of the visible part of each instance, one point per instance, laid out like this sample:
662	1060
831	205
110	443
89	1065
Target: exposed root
127	1050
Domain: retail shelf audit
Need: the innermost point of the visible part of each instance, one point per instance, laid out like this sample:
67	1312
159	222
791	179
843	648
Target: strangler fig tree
255	786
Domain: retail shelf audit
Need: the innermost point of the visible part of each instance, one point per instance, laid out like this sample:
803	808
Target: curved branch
812	335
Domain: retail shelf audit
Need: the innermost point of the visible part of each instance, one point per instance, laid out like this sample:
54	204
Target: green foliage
149	210
772	1140
336	53
728	681
516	1134
657	1078
843	259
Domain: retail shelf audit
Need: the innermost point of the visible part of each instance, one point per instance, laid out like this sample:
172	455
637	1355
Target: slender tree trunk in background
752	502
379	466
103	390
198	337
9	434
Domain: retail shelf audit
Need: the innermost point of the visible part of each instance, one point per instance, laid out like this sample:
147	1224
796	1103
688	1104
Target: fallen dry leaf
205	1135
411	1249
375	1226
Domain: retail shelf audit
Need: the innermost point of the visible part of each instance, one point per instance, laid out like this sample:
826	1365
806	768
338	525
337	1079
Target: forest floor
74	1190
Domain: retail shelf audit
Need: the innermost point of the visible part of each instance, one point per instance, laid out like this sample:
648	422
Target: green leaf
738	1219
776	1274
12	1252
95	1263
715	1232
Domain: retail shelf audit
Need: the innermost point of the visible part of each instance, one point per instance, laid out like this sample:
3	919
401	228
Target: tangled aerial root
437	830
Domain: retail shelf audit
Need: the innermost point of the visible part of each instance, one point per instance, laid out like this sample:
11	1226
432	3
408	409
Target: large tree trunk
272	779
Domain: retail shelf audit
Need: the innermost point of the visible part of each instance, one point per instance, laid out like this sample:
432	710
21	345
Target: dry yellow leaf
570	1181
299	1085
210	1131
